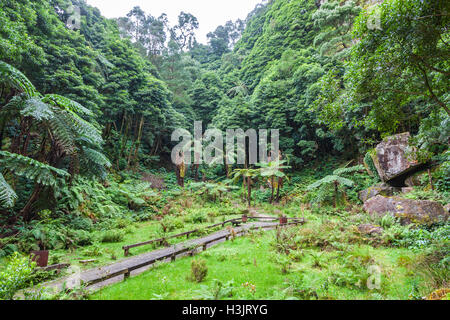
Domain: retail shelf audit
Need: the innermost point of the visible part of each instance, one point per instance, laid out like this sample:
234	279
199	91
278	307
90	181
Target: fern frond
62	131
66	104
16	79
37	109
31	169
7	194
354	169
86	129
96	157
13	107
329	180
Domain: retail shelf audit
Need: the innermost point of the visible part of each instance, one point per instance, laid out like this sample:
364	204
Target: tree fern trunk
249	189
271	187
335	193
25	212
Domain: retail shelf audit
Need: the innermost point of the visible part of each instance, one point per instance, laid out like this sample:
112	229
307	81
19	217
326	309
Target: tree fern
337	180
94	162
31	169
66	104
345	171
7	194
330	180
36	109
16	79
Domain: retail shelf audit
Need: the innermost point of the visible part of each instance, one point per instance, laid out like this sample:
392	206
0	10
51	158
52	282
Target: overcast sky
210	13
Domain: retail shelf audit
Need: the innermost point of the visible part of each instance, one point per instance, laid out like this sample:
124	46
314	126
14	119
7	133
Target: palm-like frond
62	130
329	180
7	194
36	109
96	157
16	79
94	162
343	171
31	169
66	104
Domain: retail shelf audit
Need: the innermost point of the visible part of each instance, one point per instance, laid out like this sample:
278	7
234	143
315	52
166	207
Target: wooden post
173	257
126	275
127	252
204	247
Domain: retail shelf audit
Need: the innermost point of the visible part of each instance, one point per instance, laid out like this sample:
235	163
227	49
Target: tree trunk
271	187
249	189
277	199
25	212
2	129
335	193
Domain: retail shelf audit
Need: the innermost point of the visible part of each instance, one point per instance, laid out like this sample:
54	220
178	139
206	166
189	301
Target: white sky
210	13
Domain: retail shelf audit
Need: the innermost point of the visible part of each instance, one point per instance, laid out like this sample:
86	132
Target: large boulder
410	211
382	189
395	157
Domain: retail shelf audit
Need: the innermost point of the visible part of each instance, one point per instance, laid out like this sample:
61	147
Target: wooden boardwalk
101	276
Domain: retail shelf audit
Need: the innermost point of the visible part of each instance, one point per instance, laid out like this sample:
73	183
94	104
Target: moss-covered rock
382	189
410	211
395	157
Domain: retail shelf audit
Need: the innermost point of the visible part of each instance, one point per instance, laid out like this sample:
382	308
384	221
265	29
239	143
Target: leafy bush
111	236
199	270
81	223
421	238
82	237
15	276
197	217
170	223
93	251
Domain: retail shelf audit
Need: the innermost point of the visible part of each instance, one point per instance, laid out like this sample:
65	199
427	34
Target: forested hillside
86	117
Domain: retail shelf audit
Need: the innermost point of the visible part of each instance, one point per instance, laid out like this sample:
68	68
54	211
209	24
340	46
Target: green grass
112	252
249	260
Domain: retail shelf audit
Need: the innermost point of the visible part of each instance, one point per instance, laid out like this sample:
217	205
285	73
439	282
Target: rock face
410	211
381	189
393	157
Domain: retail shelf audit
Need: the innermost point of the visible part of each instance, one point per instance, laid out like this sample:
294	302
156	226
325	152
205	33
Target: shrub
199	270
15	276
197	217
82	238
94	251
81	223
111	236
171	223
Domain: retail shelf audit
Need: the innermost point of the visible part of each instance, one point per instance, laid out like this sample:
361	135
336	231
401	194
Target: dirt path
102	276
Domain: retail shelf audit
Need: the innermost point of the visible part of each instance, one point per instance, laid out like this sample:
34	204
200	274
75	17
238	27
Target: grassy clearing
315	274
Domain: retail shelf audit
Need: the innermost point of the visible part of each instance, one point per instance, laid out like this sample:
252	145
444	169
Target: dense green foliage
87	112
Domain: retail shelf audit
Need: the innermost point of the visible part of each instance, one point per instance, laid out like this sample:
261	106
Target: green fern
37	109
16	79
350	170
31	169
7	194
66	104
336	180
330	180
